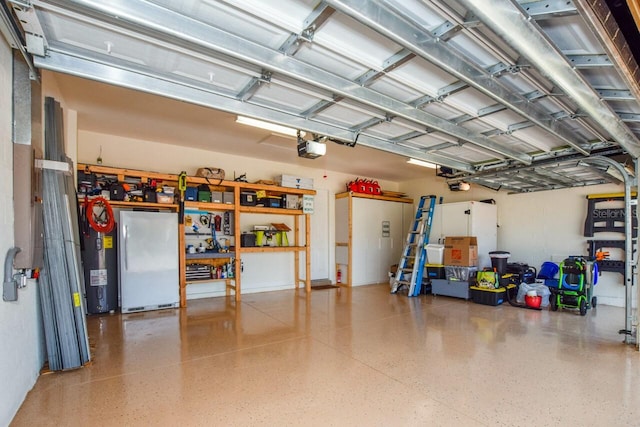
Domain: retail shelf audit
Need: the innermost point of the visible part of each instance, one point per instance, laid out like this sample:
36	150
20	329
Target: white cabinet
468	219
370	234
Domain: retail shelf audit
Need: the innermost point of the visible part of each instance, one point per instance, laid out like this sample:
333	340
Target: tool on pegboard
226	224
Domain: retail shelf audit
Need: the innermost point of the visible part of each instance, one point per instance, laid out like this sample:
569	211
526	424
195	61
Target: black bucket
499	260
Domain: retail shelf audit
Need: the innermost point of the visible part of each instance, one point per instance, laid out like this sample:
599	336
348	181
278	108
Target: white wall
259	274
21	352
538	227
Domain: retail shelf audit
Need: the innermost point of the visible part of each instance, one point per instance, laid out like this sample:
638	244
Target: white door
390	234
377	231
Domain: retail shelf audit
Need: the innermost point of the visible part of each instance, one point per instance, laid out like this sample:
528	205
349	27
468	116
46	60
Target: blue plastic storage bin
549	270
191	194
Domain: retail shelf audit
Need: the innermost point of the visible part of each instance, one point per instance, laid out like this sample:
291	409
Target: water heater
100	262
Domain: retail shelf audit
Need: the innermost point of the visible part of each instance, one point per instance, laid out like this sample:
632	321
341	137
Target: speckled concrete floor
347	357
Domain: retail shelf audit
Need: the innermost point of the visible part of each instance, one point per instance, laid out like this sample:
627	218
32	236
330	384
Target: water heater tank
100	262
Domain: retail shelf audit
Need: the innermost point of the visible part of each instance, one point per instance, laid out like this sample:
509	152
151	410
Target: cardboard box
461	250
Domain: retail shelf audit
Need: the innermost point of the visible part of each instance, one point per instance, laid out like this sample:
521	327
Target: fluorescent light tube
283	130
421	163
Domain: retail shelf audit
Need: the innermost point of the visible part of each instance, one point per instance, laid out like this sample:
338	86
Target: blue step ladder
414	255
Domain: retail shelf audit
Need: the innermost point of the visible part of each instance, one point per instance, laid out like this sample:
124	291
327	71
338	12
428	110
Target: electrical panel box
27	179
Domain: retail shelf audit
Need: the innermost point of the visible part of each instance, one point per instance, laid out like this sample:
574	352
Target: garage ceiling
516	96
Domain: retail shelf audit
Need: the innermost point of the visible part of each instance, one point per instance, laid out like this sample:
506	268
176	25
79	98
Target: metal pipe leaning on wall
10	285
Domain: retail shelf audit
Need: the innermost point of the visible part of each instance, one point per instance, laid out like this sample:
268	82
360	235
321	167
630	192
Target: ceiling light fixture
422	163
283	130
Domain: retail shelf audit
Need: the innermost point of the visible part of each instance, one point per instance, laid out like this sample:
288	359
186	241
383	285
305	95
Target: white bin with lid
435	253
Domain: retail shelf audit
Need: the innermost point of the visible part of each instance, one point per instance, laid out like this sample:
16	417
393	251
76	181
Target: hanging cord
100	223
83	222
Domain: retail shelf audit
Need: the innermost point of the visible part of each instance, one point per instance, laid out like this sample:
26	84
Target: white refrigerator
148	255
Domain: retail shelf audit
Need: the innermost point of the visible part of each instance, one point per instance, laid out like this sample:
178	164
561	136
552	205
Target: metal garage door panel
471	51
570	35
342	115
421	142
469	154
284	98
330	61
580	131
470	101
443	110
508	141
502	119
395	89
421	12
211	73
286	14
606	78
550	103
388	130
477	126
517	82
353	40
232	20
347	47
96	39
423	76
536	137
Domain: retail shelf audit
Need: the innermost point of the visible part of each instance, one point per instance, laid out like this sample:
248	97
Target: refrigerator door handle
126	247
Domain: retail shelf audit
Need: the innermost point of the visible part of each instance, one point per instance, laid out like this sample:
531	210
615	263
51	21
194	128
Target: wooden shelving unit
231	284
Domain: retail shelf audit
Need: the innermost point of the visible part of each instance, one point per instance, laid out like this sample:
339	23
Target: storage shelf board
123	204
277	211
374	197
207	281
273	249
211	255
209	206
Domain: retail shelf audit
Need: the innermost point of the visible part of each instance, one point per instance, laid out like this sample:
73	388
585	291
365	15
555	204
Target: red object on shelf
364	186
339	276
